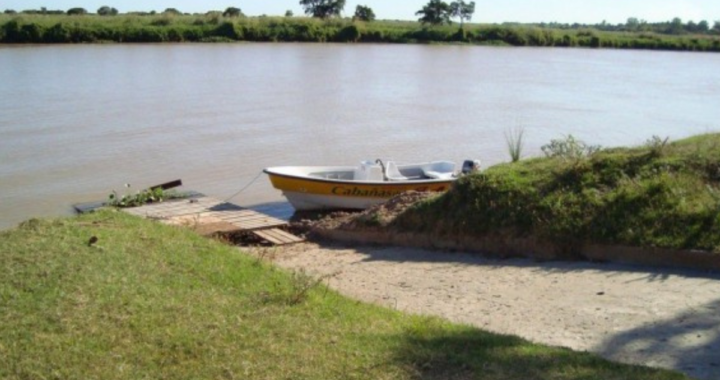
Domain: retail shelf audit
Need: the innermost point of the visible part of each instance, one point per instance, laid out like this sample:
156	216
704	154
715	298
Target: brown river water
77	122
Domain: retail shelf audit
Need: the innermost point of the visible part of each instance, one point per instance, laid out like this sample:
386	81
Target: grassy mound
658	195
110	296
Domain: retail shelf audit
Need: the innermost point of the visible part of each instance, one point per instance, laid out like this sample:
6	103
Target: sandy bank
659	318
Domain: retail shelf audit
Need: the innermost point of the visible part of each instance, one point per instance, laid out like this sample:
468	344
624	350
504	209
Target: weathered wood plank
231	214
277	236
209	216
257	225
182	207
83	208
167	185
251	218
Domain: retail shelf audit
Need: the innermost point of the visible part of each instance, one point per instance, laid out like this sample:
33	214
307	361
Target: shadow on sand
693	337
688	341
400	255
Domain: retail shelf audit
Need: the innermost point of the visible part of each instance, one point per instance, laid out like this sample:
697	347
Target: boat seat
437	175
393	173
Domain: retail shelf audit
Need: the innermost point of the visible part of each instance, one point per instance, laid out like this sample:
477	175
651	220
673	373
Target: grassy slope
26	28
661	196
152	301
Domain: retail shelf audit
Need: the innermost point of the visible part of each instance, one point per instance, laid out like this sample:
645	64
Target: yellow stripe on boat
356	189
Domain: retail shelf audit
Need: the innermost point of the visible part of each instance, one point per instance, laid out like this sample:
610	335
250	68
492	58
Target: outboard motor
470	166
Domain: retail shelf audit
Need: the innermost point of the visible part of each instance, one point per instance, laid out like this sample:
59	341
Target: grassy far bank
153	301
36	28
658	195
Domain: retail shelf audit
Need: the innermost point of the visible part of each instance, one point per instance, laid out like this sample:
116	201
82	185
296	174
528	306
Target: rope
244	188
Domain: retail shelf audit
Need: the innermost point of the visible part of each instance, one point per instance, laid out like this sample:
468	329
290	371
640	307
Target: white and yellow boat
348	187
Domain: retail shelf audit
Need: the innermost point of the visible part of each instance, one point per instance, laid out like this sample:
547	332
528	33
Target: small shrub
295	291
229	30
350	33
162	21
656	145
58	33
569	148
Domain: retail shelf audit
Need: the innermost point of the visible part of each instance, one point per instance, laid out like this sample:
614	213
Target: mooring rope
244	188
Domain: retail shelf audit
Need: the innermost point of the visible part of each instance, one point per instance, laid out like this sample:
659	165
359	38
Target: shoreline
21	28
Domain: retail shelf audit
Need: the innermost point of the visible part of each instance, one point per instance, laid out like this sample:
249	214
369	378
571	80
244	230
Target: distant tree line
673	27
231	26
326	24
435	12
110	11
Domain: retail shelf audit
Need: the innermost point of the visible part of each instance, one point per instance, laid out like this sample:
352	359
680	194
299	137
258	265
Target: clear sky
565	11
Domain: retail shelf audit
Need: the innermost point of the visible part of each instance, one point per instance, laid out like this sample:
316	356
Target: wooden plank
182	207
285	237
251	218
248	219
209	216
83	208
240	214
167	185
191	220
214	228
277	236
256	226
280	210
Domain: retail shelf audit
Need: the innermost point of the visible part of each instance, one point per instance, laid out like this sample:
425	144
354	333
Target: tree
462	10
364	13
323	8
703	26
107	11
76	11
232	12
435	12
716	27
172	11
632	23
289	13
10	12
676	26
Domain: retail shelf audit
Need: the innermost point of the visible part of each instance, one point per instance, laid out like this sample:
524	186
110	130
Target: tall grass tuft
515	143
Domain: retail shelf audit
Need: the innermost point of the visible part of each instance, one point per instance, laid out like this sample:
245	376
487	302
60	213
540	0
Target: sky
563	11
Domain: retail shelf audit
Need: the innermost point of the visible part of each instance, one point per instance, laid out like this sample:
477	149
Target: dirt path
629	314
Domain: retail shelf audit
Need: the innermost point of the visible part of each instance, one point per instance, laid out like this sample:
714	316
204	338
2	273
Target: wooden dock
210	216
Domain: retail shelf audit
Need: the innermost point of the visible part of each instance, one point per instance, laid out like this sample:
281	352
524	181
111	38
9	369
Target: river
79	121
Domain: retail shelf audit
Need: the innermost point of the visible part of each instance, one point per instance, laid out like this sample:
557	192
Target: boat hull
316	193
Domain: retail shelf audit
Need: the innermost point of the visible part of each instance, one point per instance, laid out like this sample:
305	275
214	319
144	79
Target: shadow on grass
467	353
413	255
693	337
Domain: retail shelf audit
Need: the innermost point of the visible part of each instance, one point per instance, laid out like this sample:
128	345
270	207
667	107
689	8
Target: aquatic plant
142	197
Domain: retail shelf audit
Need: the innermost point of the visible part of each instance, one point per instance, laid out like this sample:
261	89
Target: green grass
659	195
149	301
515	142
38	28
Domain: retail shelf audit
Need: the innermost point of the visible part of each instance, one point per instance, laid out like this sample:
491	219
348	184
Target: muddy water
77	122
